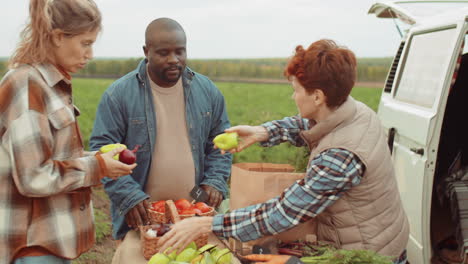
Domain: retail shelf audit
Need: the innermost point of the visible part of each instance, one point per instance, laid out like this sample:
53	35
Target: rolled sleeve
286	130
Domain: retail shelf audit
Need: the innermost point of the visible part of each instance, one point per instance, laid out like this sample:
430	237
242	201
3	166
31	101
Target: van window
427	59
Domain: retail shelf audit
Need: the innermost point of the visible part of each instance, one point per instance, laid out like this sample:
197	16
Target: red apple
128	156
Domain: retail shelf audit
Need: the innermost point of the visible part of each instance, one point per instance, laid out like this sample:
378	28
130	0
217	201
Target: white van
427	127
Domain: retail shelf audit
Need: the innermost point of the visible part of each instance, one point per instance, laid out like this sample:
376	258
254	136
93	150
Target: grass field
249	104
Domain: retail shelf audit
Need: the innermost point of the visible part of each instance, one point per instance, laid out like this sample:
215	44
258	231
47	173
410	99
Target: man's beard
169	77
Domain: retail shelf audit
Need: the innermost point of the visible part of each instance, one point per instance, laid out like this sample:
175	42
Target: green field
247	104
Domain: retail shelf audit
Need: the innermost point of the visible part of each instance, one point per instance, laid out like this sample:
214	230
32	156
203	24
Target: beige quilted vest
370	215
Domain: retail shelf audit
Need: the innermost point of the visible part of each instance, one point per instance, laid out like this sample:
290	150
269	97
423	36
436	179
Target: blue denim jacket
126	115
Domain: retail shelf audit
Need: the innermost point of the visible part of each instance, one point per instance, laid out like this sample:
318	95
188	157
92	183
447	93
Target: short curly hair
325	66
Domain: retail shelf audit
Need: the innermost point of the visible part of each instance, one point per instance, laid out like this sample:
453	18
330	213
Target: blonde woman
45	175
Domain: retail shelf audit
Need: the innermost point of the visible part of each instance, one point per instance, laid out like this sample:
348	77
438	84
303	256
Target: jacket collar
51	74
346	111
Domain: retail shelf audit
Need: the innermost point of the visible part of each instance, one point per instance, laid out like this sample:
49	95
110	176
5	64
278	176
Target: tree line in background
369	69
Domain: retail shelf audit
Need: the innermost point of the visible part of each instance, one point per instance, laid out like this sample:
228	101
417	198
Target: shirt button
82	207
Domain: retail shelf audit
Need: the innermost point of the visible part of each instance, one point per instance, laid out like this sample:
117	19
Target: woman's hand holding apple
248	136
114	167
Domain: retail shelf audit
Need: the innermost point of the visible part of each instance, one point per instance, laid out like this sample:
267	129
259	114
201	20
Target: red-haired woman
46	212
350	187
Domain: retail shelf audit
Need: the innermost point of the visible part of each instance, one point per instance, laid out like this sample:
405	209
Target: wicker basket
209	213
156	217
149	244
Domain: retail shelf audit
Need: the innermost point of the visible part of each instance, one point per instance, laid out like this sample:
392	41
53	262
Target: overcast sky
229	28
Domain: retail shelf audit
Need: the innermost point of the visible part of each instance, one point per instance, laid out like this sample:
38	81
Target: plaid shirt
44	173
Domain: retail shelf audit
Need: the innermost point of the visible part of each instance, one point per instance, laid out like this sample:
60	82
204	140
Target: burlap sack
253	183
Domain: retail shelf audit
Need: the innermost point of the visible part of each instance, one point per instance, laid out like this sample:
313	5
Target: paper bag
253	183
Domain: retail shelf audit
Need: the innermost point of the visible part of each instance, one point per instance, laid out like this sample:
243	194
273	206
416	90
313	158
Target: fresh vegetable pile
313	253
208	254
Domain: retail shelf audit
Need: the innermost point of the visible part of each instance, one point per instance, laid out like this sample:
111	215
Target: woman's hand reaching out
248	135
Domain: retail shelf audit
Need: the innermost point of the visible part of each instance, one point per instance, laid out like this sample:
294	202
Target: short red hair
325	66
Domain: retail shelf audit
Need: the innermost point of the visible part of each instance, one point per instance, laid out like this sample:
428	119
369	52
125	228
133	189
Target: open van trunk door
392	10
412	112
416	12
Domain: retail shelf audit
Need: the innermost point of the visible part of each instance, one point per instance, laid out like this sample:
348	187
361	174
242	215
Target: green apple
223	256
159	258
207	259
206	247
226	141
171	255
197	259
187	255
192	245
109	147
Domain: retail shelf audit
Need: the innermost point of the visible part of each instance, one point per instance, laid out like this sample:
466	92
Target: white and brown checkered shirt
45	174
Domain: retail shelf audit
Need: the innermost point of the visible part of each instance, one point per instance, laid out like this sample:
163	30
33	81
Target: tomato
183	204
158	204
203	207
188	212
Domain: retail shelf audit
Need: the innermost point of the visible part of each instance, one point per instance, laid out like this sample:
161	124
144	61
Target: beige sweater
172	173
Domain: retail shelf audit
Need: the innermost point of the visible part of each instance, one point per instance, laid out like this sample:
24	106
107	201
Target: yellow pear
226	141
109	147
